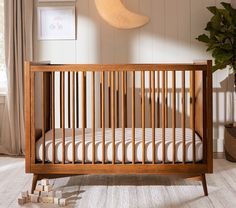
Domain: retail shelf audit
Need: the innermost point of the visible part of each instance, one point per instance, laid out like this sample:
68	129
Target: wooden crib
67	107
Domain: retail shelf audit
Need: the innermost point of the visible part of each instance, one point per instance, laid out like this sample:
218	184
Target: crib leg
34	182
204	184
202	179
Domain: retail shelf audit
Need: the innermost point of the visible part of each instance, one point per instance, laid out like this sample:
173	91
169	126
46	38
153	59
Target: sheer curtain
18	48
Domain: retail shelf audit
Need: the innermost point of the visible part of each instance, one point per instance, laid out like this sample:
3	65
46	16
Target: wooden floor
126	191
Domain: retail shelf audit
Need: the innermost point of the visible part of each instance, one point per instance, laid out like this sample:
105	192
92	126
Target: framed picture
56	23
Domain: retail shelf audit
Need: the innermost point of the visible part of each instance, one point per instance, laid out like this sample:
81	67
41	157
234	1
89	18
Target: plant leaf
226	46
203	38
213	9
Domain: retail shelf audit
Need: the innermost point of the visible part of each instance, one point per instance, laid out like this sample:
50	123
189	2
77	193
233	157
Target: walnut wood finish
73	117
183	116
201	123
123	117
173	114
103	117
53	117
143	115
163	114
153	116
93	119
133	117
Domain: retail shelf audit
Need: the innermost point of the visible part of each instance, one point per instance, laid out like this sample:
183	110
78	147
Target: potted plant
221	41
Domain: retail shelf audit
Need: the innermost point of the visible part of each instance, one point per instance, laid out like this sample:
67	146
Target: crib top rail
38	67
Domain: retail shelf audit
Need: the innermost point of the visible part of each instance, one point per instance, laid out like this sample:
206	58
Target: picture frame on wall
56	23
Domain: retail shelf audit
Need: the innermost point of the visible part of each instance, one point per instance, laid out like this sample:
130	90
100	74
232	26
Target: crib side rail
114	92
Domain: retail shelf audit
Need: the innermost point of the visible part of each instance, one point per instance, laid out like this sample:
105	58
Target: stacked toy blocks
43	193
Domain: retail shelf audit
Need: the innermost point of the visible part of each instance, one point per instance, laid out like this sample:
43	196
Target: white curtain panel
18	45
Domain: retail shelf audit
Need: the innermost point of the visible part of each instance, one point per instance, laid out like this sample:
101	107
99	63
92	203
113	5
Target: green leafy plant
221	37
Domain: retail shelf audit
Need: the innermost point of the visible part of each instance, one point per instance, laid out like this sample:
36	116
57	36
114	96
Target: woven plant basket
230	143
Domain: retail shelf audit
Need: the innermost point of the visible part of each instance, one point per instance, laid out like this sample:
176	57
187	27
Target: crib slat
173	114
73	117
83	118
183	116
123	117
77	99
133	117
117	100
153	117
109	99
193	116
43	116
103	118
85	100
158	99
63	115
60	99
53	117
126	78
143	116
113	115
68	99
166	100
101	100
163	117
93	120
149	99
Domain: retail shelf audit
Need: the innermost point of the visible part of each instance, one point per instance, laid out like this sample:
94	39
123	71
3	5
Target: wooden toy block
40	199
27	199
39	188
24	194
37	192
34	198
21	201
63	202
47	200
48	188
56	200
44	193
58	194
51	193
45	182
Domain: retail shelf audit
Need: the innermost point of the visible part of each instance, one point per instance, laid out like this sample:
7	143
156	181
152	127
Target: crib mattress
118	145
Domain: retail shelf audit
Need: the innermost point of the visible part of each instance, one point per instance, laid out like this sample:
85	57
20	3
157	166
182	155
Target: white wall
169	37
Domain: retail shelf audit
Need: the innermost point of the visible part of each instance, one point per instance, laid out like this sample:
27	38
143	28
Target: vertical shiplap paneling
158	34
146	33
199	18
146	53
158	20
82	49
133	35
184	32
171	41
94	56
224	104
83	21
133	56
107	54
169	37
184	42
171	31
